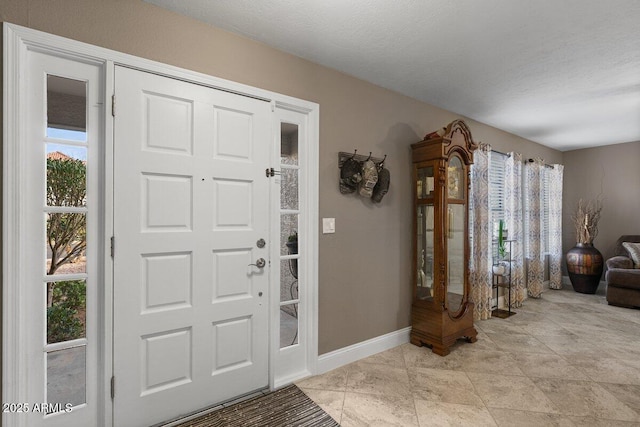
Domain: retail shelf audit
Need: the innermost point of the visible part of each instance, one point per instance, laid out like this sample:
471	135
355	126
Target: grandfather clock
441	311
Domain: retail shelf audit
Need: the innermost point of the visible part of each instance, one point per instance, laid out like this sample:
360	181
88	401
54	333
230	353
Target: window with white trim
289	227
545	206
497	168
66	240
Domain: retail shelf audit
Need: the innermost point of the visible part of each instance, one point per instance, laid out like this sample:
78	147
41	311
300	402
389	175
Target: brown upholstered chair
623	280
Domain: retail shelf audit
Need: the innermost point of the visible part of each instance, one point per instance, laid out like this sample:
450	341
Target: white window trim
17	40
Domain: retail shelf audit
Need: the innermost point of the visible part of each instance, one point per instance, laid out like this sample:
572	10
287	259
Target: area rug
287	407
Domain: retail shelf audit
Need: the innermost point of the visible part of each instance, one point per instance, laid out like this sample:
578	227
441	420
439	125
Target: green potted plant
292	243
502	265
502	250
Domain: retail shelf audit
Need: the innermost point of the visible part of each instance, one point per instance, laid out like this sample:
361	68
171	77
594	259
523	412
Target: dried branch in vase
585	220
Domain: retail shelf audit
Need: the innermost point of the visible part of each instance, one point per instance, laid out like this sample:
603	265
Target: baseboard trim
355	352
290	379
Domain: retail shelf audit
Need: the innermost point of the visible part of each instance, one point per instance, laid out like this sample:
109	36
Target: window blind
545	210
497	186
545	207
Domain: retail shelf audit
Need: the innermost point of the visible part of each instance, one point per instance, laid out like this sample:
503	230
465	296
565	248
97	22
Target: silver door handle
260	263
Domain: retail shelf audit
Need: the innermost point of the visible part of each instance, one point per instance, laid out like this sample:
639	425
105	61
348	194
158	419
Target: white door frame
17	42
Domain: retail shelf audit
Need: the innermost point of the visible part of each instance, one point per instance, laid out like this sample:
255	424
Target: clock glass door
455	232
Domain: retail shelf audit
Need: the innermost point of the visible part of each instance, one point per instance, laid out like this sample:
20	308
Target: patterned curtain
513	219
480	230
535	268
555	226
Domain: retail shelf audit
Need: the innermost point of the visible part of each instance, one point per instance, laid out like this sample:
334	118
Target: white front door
190	204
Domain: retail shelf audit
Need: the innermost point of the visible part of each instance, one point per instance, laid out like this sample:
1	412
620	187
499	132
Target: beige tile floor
566	359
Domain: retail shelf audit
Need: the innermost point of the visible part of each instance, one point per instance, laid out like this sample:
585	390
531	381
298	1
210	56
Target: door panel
190	312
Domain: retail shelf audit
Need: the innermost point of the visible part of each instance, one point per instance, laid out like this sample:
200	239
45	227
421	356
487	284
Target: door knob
260	263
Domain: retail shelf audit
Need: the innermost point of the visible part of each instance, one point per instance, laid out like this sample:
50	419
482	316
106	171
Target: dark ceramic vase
585	265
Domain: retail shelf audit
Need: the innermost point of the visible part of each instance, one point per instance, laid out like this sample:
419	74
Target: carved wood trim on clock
442	178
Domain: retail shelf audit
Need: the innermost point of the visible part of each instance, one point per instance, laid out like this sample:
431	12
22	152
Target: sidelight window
289	236
64	288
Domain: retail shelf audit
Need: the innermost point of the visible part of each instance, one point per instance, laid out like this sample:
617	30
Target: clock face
454	183
454	178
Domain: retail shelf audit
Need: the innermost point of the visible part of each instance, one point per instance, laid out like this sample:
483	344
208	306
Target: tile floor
566	359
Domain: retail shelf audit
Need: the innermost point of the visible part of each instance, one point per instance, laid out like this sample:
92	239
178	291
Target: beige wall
365	266
614	171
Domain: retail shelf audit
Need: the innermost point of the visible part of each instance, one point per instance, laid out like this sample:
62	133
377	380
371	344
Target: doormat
287	407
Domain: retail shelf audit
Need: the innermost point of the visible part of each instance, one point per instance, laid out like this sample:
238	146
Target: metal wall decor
364	175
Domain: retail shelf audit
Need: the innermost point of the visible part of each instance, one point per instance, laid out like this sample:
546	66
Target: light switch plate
328	225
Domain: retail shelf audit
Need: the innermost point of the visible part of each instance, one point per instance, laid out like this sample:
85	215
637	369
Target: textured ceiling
563	73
